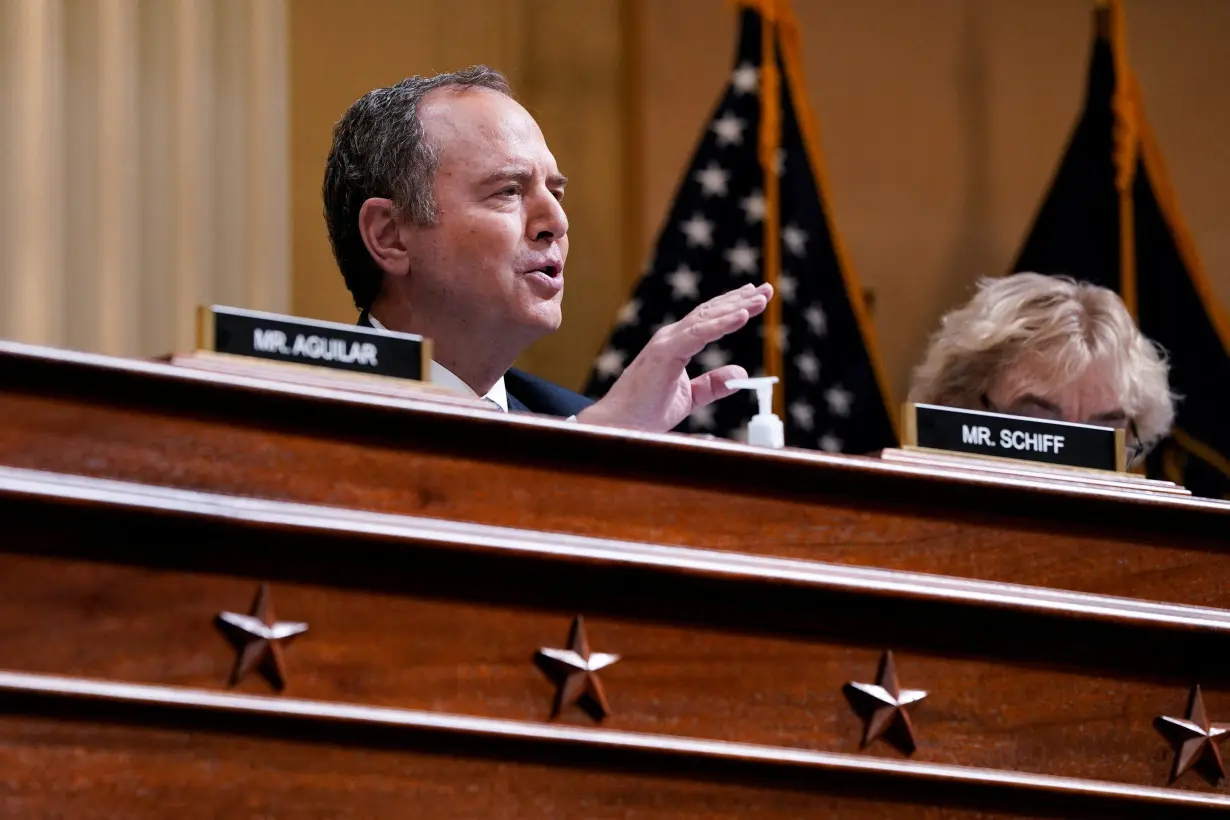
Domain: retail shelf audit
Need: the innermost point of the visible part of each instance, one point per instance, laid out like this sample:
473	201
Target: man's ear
382	236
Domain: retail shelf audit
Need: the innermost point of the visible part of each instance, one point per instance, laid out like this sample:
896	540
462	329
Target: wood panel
145	422
123	583
203	756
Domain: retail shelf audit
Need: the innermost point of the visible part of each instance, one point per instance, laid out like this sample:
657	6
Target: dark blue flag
1111	218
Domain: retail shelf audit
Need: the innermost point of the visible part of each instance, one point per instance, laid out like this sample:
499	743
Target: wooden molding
152	385
76	492
1008	467
996	786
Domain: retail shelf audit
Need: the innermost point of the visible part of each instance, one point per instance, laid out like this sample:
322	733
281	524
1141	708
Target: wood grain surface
433	549
129	580
148	422
575	756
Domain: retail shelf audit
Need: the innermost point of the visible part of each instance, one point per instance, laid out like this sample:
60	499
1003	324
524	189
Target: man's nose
548	220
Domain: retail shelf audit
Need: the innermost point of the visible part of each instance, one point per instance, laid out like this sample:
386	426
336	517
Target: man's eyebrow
508	172
522	175
1111	415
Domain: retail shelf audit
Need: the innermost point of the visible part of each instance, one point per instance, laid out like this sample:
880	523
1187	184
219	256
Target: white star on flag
753	207
795	239
702	417
803	414
698	230
786	286
830	443
783	338
782	333
744	79
610	363
839	400
743	258
817	322
713	357
713	180
729	129
666	320
808	366
629	314
685	283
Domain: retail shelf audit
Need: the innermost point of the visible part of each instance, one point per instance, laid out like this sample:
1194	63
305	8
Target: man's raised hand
654	392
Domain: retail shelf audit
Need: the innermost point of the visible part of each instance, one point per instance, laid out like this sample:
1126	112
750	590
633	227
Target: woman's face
1022	390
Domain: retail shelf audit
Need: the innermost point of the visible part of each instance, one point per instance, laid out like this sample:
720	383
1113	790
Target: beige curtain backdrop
143	168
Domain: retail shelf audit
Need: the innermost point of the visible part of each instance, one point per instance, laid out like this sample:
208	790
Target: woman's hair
1067	325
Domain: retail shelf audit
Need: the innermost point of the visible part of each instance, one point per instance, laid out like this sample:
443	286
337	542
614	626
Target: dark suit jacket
528	393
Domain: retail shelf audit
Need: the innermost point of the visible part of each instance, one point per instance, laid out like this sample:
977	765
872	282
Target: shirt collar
444	377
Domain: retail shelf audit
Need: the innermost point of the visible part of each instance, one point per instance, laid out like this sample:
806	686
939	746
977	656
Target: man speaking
444	209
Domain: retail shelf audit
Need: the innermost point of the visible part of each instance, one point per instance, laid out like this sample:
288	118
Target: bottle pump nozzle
765	429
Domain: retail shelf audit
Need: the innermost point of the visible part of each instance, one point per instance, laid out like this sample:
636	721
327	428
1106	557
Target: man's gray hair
379	150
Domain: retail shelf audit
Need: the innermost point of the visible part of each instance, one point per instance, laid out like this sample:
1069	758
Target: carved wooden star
883	706
1195	740
258	638
574	671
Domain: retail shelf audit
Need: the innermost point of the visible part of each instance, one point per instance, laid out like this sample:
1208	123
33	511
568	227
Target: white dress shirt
444	377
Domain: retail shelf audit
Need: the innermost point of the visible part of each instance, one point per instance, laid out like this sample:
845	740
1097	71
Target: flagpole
769	145
1111	24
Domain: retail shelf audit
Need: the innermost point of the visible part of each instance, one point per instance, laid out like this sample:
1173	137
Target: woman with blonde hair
1054	348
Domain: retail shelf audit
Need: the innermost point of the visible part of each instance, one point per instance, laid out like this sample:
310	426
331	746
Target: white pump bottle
765	429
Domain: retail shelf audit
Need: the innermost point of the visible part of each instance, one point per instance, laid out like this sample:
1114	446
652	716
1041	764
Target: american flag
714	240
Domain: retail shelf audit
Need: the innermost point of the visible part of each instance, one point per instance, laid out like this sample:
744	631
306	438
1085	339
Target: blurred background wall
143	168
942	122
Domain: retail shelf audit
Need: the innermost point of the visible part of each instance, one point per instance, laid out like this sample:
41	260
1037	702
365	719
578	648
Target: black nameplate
1003	436
281	338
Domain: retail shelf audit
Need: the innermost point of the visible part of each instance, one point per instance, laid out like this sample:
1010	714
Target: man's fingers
711	386
744	297
705	317
732	296
757	306
714	319
746	300
693	339
751	298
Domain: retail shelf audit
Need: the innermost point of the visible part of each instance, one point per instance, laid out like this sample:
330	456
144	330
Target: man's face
494	260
